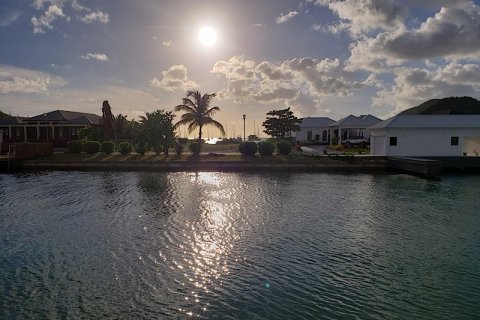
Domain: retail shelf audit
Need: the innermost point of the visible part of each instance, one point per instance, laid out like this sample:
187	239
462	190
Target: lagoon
238	246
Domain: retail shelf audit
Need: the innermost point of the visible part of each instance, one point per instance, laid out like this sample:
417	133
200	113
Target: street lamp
244	117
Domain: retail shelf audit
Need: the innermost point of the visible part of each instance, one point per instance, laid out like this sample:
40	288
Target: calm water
238	246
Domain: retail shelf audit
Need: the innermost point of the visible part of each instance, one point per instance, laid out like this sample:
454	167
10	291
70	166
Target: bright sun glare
207	36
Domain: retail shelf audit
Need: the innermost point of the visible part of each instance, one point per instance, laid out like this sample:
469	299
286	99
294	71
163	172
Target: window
309	135
454	141
393	141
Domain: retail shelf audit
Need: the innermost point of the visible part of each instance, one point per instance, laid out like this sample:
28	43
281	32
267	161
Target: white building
426	135
352	127
314	130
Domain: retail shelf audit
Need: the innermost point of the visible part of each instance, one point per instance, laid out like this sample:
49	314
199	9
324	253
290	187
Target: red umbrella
108	121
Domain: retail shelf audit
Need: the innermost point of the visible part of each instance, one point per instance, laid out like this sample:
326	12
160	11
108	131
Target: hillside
452	105
4	115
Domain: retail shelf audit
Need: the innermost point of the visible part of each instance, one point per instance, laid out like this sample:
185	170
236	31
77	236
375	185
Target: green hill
4	115
452	105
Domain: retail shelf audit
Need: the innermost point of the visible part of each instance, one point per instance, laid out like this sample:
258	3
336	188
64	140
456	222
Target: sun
207	36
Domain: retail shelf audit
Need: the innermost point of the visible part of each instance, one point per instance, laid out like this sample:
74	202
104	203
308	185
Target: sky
327	58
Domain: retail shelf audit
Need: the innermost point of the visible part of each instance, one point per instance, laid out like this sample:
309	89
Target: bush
284	147
194	148
108	147
179	148
141	148
248	148
266	148
74	146
91	147
124	148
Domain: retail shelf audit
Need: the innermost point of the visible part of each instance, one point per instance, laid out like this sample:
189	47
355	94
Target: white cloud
9	18
363	16
282	18
167	43
284	82
258	25
454	32
96	16
18	80
413	86
46	20
95	56
175	78
78	7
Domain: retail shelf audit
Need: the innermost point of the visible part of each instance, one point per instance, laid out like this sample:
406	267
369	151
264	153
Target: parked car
361	142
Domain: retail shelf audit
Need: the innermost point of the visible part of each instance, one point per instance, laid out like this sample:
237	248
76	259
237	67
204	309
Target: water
238	246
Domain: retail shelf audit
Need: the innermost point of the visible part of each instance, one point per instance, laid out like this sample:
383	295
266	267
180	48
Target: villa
58	127
314	130
427	135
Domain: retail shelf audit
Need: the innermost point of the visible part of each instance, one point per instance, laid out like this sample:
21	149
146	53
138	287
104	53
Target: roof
11	121
429	121
362	121
70	117
452	105
316	122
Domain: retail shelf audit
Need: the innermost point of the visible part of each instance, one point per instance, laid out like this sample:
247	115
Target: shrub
248	148
108	147
124	148
91	147
266	148
179	148
284	147
141	148
194	148
74	146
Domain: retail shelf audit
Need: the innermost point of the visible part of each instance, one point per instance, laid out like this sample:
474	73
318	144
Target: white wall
302	134
417	142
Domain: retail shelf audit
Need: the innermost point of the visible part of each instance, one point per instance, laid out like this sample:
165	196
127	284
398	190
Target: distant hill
453	105
4	115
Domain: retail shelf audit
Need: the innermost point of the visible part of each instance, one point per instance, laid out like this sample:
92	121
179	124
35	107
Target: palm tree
198	112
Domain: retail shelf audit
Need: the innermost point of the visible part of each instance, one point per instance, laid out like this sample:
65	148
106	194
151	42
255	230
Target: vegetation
179	148
93	133
281	123
4	115
266	148
91	147
452	105
108	147
74	146
124	147
252	137
248	148
141	148
194	148
157	130
198	113
284	147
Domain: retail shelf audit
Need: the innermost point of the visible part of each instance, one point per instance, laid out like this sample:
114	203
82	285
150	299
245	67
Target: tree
281	123
198	113
158	130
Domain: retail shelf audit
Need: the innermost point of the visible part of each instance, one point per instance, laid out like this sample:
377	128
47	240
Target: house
57	126
352	127
426	135
314	130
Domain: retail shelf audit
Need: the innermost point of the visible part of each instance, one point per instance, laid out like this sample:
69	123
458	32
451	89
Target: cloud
96	16
46	20
363	16
413	86
95	56
282	18
258	25
167	43
175	78
18	80
9	18
454	32
78	7
284	82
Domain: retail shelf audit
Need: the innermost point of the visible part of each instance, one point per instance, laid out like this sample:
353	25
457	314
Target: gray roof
69	117
316	122
11	121
430	121
352	121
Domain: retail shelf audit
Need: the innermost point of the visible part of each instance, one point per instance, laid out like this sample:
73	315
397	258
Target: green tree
198	113
281	123
157	130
